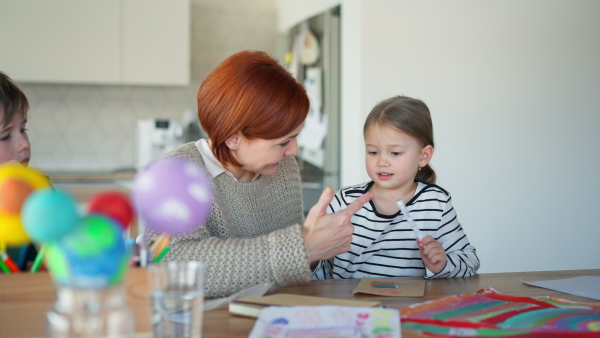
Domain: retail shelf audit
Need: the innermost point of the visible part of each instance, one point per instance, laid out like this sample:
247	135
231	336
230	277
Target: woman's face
260	156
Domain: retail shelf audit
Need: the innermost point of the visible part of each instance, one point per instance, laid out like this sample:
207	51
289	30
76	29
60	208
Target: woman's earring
419	168
235	148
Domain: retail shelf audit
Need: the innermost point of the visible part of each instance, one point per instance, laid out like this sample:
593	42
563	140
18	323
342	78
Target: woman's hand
327	235
433	254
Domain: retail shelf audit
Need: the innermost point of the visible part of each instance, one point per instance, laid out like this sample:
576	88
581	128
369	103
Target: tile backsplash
93	127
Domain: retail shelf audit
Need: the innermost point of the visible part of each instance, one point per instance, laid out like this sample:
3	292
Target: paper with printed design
326	321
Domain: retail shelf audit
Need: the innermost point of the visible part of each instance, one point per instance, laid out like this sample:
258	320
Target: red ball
113	204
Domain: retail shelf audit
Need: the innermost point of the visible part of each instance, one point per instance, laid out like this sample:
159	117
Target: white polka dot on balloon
173	210
199	193
192	170
173	196
145	183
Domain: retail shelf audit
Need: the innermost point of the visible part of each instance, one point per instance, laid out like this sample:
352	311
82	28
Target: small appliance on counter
155	137
192	131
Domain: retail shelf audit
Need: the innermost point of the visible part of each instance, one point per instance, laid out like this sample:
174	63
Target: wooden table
25	298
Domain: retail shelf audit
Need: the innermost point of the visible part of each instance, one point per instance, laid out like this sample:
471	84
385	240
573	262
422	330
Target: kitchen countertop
84	186
90	177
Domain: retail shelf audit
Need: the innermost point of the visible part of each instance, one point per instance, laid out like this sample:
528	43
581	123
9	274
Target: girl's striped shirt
385	245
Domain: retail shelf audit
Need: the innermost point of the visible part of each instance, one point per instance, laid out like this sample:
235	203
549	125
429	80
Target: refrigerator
311	51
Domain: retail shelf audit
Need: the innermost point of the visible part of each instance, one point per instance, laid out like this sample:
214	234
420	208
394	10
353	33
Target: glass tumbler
92	313
177	296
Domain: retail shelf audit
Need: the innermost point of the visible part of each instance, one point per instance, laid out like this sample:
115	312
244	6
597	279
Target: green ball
93	236
58	264
94	255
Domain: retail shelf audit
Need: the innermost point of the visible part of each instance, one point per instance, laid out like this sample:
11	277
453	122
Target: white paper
583	286
294	65
327	321
313	84
254	291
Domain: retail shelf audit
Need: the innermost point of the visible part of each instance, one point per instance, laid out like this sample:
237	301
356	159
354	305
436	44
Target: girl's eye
4	138
372	153
396	153
23	130
285	143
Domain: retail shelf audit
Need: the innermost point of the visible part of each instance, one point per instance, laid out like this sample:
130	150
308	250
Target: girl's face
14	142
393	157
260	156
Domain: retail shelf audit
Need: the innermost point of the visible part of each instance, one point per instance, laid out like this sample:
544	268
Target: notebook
251	306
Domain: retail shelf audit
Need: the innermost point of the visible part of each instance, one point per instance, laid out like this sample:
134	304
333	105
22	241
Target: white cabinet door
156	42
69	41
143	42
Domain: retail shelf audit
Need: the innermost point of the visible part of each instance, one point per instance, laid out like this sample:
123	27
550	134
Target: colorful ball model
93	255
112	204
49	214
17	182
173	196
14	191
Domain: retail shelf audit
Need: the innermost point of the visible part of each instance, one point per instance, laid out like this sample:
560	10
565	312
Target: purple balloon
173	195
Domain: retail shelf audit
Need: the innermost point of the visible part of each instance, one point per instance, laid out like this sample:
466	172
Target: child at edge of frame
399	145
15	146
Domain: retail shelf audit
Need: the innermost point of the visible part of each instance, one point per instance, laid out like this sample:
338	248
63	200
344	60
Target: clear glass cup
177	296
90	313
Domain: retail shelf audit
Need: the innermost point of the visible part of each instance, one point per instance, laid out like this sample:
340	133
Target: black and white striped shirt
385	245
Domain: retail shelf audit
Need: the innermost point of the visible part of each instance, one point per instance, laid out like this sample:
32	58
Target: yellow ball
12	232
17	182
17	170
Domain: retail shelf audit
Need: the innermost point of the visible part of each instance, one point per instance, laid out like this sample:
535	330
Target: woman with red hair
252	110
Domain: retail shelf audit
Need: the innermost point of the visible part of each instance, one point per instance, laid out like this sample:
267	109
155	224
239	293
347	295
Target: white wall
514	91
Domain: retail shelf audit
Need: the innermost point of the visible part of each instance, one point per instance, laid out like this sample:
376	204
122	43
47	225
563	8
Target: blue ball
94	255
48	215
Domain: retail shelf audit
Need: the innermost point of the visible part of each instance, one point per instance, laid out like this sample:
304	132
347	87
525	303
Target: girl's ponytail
426	174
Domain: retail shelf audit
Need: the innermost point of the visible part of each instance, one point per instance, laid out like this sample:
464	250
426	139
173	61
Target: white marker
411	221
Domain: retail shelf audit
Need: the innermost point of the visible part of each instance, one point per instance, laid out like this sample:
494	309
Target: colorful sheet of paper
393	287
326	321
491	314
582	286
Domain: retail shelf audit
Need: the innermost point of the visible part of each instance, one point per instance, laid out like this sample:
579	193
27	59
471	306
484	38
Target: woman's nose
292	148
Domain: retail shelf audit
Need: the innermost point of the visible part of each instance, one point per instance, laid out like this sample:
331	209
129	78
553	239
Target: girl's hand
327	235
432	254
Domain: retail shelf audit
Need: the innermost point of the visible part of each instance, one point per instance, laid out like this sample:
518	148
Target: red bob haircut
249	92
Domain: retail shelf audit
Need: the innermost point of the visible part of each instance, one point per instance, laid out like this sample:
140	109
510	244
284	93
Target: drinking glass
177	296
94	313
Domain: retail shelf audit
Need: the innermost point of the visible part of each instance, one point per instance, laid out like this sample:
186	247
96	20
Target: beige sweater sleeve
253	234
238	263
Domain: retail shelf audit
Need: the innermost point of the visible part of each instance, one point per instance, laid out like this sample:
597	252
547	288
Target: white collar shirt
213	166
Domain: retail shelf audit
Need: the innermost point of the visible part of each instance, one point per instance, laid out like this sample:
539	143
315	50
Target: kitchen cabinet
156	42
137	42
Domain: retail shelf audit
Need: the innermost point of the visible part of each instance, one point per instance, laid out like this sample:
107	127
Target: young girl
399	145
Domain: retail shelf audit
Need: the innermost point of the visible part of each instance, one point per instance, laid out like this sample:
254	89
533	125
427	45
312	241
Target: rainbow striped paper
491	314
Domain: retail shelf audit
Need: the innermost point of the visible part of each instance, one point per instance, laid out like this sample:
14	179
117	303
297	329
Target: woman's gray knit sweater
253	234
